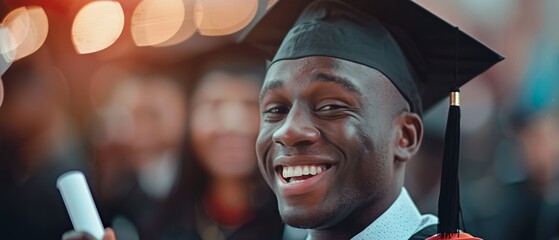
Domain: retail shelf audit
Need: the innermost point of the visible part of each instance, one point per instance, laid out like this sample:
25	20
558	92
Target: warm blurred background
119	90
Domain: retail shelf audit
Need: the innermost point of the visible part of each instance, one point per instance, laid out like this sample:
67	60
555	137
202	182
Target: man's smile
297	175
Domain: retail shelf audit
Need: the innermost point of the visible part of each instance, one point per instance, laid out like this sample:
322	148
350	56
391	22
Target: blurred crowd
510	120
168	149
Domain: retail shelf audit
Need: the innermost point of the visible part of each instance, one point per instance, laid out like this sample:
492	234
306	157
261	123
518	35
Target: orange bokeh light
29	28
223	17
188	27
97	26
7	49
157	21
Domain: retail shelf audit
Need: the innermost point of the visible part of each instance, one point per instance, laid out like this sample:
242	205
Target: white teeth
313	170
306	170
297	171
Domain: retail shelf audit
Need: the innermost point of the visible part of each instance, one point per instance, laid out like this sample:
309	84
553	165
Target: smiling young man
341	110
333	146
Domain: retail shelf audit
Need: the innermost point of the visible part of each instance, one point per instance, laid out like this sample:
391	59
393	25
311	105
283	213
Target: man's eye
277	110
331	107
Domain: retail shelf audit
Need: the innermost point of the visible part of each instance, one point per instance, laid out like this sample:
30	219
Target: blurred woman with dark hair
221	194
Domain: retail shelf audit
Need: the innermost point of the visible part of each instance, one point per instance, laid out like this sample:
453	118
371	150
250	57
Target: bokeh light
29	26
188	26
156	21
223	17
40	26
97	26
17	22
7	49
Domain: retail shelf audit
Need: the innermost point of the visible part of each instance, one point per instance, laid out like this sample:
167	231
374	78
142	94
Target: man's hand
73	235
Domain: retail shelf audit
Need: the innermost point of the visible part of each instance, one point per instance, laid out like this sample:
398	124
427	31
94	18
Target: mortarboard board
428	42
421	54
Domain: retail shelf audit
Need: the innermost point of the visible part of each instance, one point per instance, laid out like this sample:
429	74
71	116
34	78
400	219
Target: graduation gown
425	233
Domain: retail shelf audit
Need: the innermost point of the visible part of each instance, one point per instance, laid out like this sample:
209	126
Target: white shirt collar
399	222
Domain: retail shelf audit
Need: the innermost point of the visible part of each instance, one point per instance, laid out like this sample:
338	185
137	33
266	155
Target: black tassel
449	198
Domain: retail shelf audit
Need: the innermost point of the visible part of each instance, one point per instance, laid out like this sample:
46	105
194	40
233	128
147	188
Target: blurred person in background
221	194
534	123
499	195
137	140
37	144
523	197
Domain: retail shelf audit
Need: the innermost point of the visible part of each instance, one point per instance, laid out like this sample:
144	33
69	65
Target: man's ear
409	127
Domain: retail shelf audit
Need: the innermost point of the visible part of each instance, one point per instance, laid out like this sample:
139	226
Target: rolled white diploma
79	203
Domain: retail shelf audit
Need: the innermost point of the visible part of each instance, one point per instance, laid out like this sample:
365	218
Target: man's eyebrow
274	84
321	76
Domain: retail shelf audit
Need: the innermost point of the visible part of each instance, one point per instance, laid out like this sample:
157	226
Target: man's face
326	142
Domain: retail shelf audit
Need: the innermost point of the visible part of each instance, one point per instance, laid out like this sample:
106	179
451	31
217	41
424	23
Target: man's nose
297	129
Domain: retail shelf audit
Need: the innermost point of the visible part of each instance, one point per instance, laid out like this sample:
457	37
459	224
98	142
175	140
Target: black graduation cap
425	57
428	42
